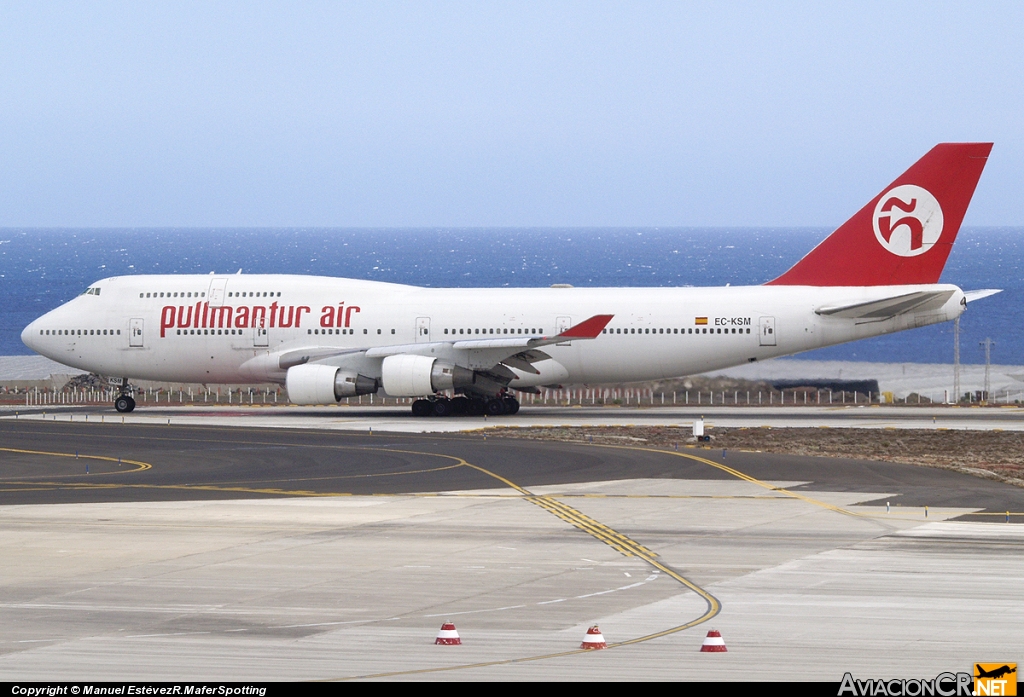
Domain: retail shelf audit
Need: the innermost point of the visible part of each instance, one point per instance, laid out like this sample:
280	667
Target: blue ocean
42	268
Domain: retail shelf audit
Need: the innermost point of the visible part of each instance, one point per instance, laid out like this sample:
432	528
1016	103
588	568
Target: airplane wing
513	351
587	329
878	310
310	353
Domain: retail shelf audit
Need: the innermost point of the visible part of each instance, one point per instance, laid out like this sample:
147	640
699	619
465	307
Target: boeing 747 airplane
469	349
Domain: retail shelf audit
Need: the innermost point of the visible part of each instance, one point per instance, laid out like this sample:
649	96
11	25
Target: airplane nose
29	334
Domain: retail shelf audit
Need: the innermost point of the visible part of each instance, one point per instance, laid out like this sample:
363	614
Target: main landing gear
125	402
466	406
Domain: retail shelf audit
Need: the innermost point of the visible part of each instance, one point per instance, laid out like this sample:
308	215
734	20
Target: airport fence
619	396
797	397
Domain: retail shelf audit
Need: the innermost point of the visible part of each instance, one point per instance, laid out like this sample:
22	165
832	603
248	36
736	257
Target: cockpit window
91	291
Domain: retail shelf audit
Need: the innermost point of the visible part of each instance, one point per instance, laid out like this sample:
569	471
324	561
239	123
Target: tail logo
907	220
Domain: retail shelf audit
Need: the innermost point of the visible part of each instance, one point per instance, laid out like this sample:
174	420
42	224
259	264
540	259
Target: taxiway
220	552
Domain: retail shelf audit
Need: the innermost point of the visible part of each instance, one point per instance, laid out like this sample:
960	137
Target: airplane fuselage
240	328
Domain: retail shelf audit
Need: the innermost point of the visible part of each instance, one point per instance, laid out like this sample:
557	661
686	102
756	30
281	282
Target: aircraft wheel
443	407
511	405
476	407
422	407
495	407
124	404
460	406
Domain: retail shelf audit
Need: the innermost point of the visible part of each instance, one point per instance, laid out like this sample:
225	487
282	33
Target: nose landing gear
125	402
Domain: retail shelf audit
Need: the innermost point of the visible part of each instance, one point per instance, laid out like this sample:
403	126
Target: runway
287	553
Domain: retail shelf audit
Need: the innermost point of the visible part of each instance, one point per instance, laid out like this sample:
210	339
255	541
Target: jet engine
325	384
408	375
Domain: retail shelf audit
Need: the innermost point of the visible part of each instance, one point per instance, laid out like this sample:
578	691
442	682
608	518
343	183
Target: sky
475	114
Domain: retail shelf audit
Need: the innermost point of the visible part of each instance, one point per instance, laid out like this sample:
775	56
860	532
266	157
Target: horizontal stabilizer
885	308
972	295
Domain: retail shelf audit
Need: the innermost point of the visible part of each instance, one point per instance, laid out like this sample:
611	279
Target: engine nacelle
408	375
325	384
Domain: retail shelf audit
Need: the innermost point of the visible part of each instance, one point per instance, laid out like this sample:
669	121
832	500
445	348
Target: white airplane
466	350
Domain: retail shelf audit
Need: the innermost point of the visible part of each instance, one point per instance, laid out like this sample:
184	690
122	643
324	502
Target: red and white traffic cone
448	636
594	640
713	643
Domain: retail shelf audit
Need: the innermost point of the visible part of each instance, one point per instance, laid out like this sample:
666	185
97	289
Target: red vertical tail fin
904	235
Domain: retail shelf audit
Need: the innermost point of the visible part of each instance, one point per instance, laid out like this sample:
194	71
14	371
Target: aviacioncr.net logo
907	220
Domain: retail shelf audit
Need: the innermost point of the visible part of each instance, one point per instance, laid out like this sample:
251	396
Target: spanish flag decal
700	320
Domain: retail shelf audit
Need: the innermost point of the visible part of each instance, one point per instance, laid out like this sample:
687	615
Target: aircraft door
216	294
562	324
135	335
259	334
422	330
767	331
